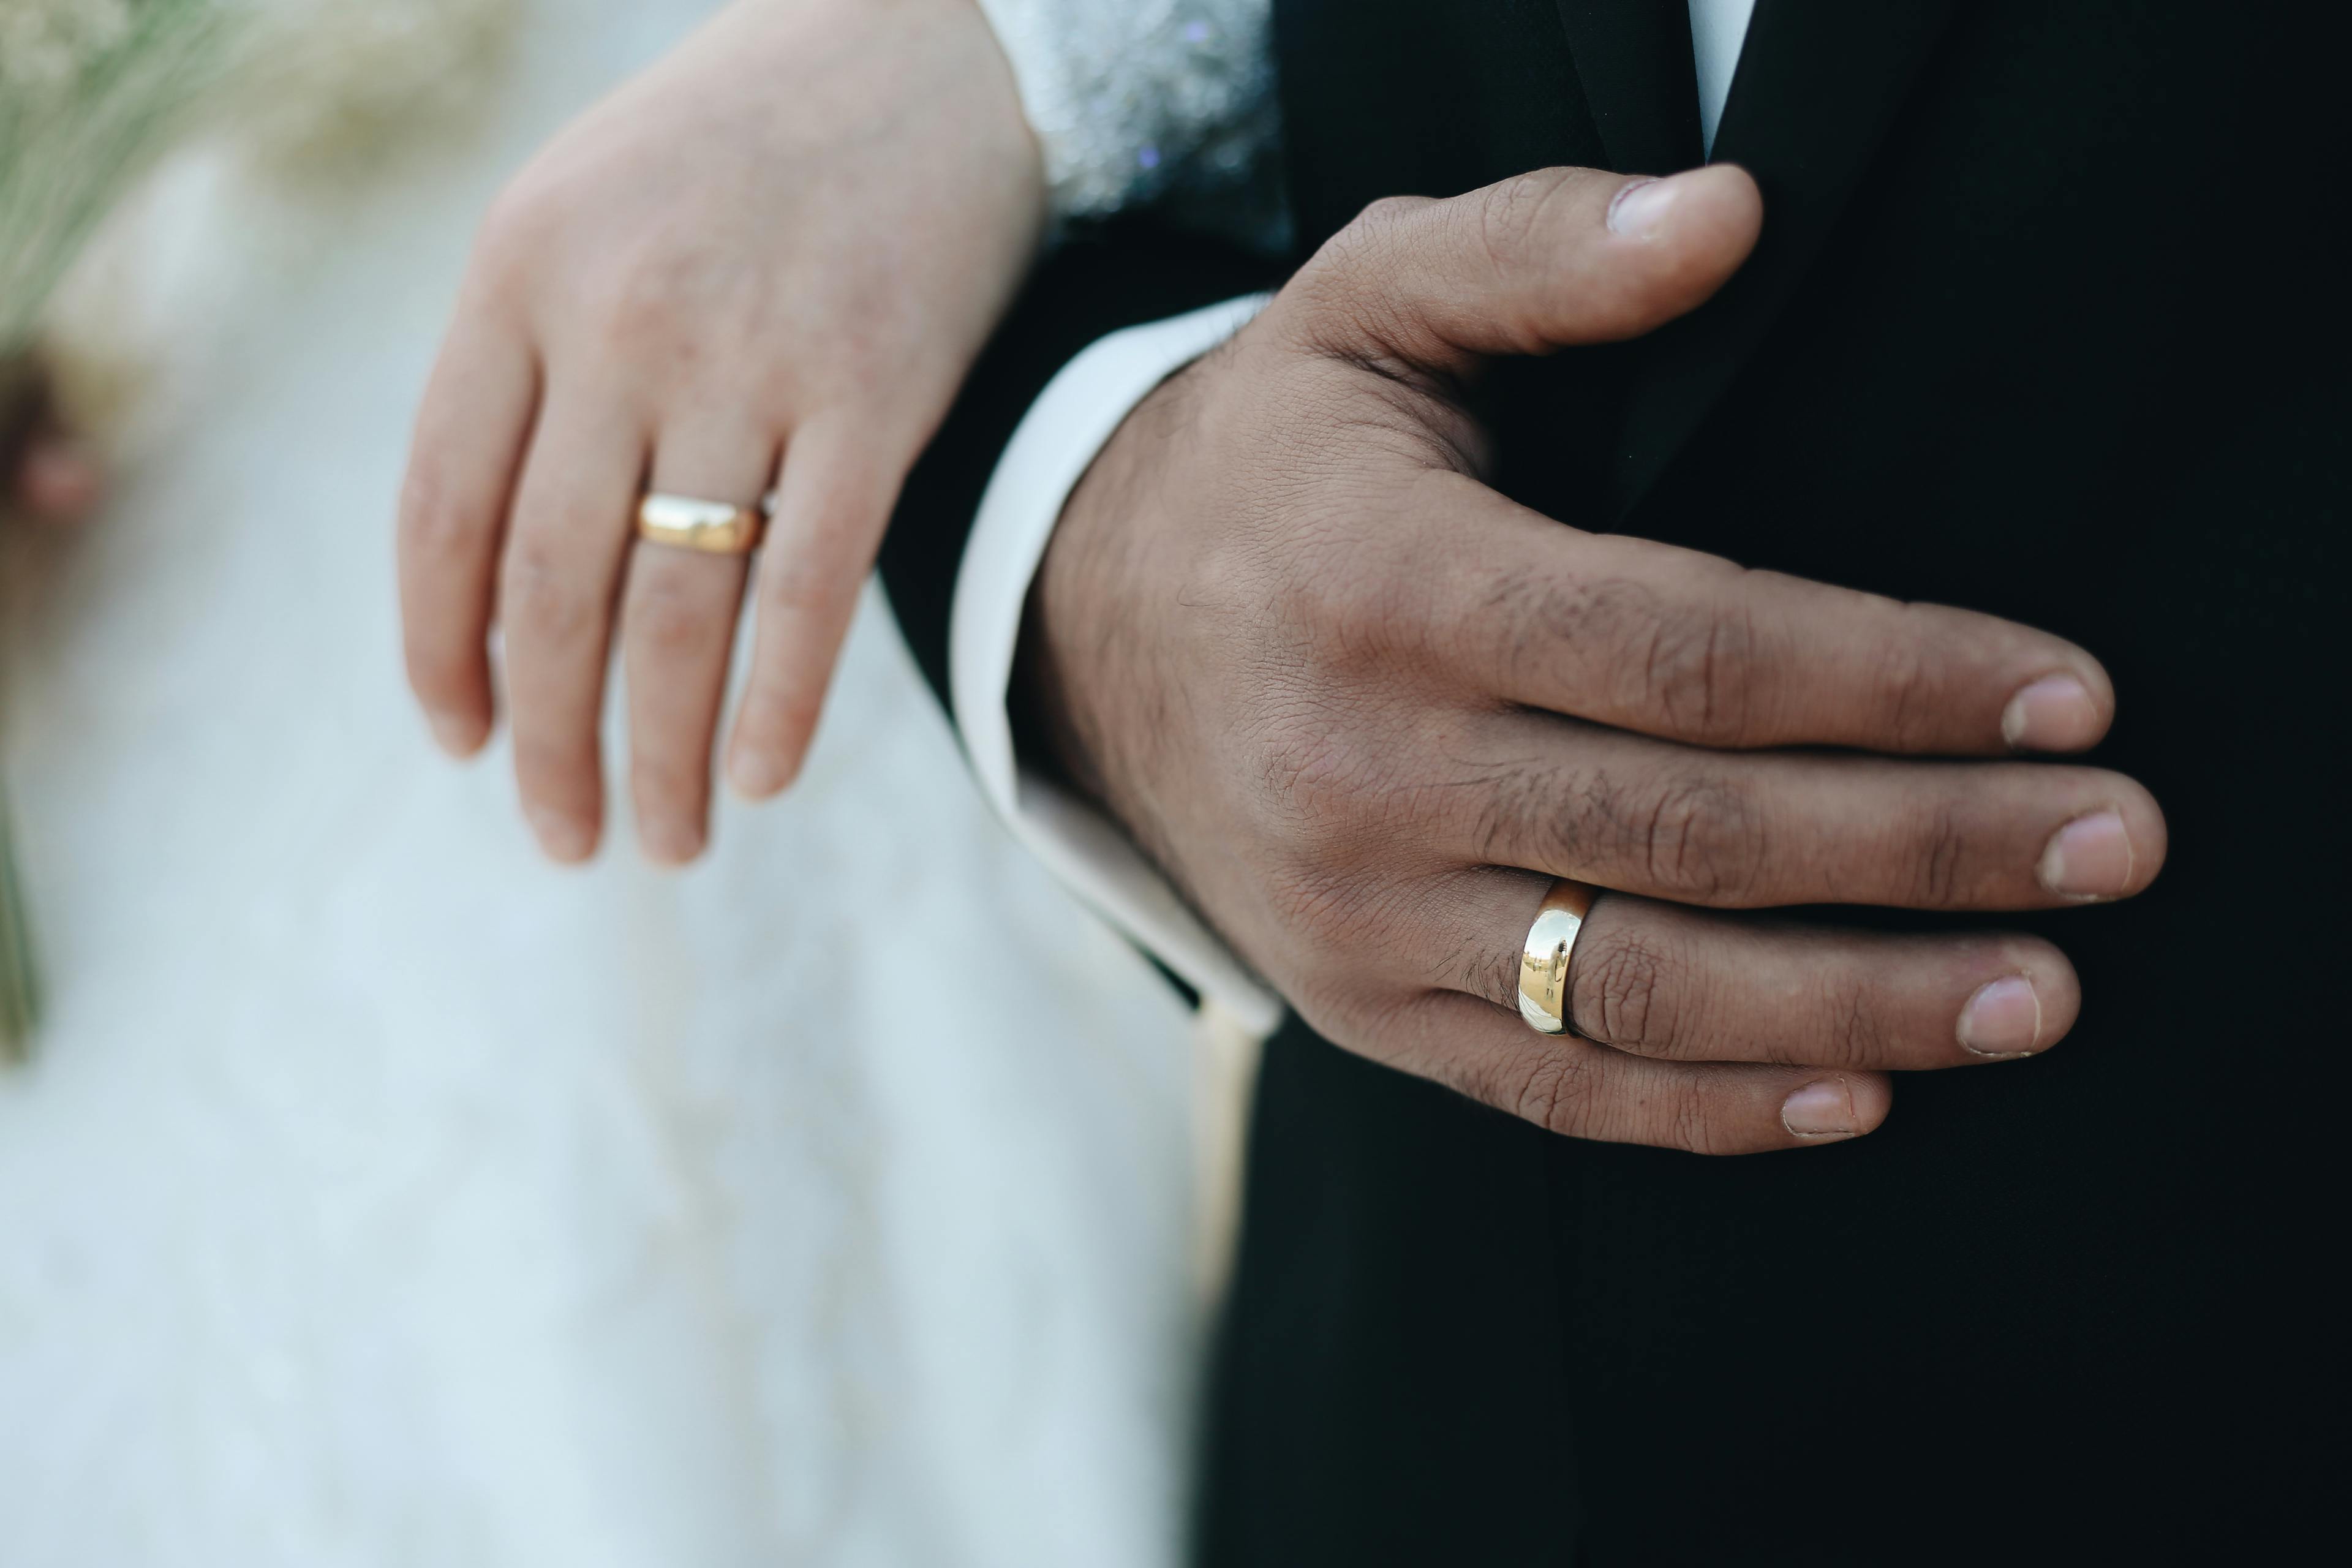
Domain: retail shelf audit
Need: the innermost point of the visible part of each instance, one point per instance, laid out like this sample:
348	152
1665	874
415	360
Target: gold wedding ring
1543	962
714	527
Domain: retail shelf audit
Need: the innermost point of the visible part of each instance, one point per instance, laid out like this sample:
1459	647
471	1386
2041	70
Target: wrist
947	57
1078	682
1002	127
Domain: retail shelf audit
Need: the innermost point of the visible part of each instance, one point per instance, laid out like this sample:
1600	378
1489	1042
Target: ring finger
1662	980
678	629
1659	979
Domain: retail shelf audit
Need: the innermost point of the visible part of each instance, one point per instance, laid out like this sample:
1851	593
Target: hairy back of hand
1364	710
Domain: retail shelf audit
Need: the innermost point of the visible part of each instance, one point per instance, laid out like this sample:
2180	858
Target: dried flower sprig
91	93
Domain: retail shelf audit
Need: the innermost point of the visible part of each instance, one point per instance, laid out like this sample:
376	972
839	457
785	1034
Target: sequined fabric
1144	101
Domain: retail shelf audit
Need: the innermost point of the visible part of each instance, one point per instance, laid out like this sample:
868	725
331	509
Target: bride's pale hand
767	261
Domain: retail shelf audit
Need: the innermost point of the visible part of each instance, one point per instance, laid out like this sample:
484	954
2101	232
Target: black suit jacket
2047	320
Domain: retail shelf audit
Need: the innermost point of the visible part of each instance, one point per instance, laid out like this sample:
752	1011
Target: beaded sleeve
1139	101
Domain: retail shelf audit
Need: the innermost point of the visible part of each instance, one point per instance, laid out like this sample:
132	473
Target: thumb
1539	262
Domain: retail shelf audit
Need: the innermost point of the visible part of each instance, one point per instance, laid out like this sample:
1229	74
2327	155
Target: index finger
1690	647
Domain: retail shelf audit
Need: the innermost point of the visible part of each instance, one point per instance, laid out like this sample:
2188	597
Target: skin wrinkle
1909	693
1859	1031
1620	985
1946	852
1512	220
1723	678
1700	837
1683	664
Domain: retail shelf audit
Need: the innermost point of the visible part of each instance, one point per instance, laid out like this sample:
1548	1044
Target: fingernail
2002	1019
1823	1109
1636	209
564	837
2053	714
2090	858
458	737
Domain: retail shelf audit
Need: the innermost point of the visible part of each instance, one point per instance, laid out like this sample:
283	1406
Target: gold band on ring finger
1543	960
713	528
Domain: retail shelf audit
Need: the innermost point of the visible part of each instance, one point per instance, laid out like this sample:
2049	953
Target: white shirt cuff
1052	449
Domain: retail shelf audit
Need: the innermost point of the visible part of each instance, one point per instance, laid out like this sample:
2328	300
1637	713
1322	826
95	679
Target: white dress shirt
1056	442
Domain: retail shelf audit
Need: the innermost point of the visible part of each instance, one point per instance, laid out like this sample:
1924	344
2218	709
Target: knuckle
1536	624
1622	994
1907	694
1523	809
1354	611
1371	235
1383	216
1508	213
1679	1118
1694	1123
1850	1031
1695	670
1477	961
674	316
536	597
1553	1089
1514	219
1699	840
641	308
1319	782
1939	856
1683	668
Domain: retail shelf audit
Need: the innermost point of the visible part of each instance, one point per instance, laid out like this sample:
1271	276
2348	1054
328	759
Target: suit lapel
1633	61
1819	82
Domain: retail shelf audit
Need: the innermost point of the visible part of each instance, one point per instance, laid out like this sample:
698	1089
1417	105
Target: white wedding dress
381	1195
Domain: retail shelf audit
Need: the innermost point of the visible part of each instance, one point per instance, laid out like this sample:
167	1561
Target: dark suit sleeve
1098	282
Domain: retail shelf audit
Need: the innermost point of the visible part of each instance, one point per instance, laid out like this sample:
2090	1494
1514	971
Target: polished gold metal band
714	527
1543	962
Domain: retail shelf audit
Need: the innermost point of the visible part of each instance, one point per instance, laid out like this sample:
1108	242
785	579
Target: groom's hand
1363	708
